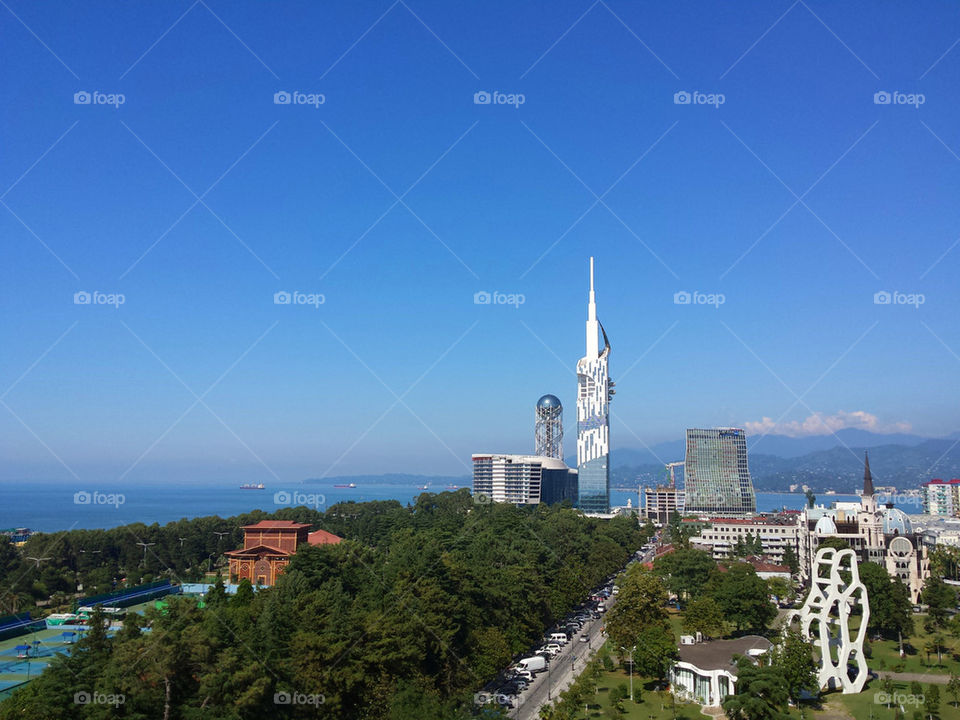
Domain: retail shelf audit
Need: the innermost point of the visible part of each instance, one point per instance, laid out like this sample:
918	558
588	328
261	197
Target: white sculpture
828	605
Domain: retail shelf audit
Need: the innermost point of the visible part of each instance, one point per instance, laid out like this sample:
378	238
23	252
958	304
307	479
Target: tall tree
940	599
794	658
685	571
639	620
743	597
761	693
790	559
703	615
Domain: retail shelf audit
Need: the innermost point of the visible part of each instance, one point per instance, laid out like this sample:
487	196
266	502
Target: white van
559	638
534	664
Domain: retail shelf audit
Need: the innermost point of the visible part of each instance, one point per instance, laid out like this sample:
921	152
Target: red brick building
268	546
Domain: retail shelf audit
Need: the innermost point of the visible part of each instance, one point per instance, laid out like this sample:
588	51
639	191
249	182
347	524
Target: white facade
511	478
706	674
594	391
776	535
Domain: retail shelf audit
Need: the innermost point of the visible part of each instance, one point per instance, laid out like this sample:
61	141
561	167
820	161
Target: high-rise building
941	497
717	479
522	479
660	502
549	427
594	392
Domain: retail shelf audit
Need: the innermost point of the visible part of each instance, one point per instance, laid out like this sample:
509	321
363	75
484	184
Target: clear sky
786	186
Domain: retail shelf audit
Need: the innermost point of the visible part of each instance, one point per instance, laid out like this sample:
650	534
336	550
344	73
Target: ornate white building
594	392
876	533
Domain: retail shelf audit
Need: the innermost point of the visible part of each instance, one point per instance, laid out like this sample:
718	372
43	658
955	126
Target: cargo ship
252	486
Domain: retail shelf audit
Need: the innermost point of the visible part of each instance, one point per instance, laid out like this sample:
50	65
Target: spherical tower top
549	401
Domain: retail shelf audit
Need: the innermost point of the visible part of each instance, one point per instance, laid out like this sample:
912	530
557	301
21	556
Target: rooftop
718	654
276	525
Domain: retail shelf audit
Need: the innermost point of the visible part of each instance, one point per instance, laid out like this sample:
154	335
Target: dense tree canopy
685	571
413	612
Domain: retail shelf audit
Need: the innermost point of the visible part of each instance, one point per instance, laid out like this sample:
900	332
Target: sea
54	506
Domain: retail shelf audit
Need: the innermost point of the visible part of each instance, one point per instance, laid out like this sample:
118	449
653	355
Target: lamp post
632	650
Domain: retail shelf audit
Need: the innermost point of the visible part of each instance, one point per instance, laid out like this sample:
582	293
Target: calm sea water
52	506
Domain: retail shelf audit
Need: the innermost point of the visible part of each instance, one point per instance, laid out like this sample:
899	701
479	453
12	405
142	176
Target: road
565	667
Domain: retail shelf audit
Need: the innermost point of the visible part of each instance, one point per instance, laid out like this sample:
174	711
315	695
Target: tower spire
867	477
593	342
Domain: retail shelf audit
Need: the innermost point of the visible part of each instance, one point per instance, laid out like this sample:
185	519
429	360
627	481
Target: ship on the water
253	486
348	485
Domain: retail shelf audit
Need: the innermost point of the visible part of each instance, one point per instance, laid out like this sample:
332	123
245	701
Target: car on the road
584	638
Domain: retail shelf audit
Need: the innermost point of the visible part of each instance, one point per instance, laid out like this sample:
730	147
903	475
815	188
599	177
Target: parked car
553	648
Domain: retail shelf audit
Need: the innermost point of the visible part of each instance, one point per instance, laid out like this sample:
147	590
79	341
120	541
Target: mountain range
823	462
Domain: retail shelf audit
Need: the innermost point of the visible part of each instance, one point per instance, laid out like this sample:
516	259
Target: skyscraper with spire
594	392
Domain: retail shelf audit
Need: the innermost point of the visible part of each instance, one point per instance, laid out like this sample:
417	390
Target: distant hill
904	464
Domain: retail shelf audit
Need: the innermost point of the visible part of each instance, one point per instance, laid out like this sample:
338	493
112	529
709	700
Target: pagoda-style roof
276	525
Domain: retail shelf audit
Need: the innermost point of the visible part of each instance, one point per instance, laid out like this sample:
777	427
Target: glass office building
717	477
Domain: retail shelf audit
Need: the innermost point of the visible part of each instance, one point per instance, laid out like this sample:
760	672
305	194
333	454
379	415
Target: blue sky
398	198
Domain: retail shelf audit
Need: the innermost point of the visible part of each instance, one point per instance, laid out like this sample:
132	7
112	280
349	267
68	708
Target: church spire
867	477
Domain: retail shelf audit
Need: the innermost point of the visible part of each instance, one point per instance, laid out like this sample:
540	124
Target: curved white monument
829	606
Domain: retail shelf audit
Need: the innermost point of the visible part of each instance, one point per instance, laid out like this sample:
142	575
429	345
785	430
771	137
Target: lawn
653	705
867	705
886	655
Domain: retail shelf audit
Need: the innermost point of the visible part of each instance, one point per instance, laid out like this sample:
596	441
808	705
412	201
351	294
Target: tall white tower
594	392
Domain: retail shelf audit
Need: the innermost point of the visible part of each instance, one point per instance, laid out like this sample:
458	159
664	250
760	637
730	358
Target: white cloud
821	424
